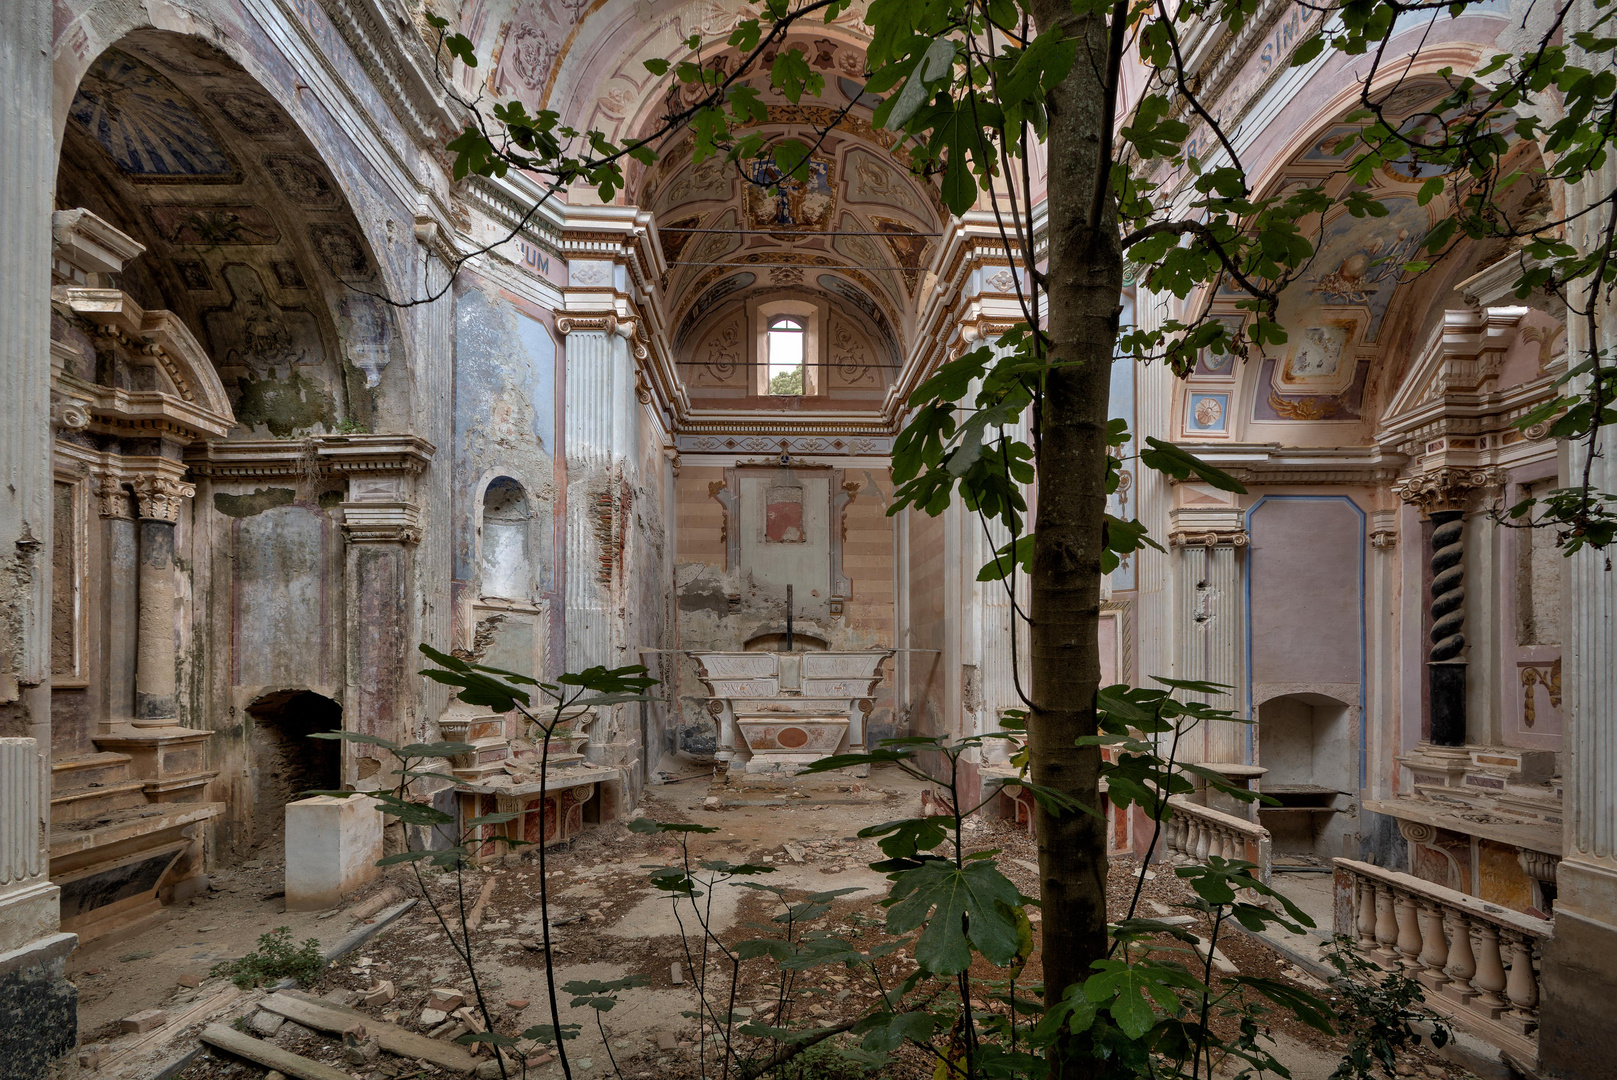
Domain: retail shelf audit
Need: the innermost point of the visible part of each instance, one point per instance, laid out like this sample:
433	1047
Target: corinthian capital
158	495
1448	488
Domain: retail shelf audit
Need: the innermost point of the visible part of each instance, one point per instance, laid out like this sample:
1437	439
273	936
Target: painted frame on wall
1207	412
72	490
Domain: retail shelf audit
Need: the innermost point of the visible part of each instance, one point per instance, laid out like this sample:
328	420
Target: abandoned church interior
282	399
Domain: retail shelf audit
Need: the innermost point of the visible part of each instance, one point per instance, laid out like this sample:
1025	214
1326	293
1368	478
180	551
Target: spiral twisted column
1443	494
1446	665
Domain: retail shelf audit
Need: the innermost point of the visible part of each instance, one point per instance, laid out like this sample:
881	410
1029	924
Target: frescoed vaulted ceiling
859	233
1357	311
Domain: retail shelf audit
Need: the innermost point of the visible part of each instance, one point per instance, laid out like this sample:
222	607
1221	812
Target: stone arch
284	760
251	236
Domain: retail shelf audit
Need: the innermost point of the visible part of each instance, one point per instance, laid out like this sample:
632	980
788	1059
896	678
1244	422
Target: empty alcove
285	761
1305	742
507	524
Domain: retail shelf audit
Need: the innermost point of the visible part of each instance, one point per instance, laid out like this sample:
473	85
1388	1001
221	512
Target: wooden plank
132	1060
323	1016
269	1056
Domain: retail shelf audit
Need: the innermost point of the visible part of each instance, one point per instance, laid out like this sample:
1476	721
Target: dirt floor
609	922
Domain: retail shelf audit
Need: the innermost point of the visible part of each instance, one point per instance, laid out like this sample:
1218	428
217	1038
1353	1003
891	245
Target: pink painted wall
1305	591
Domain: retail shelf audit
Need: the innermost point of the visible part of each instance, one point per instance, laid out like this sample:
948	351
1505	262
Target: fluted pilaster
601	428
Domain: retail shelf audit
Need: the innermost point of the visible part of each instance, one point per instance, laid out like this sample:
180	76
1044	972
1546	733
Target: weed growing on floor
455	845
276	958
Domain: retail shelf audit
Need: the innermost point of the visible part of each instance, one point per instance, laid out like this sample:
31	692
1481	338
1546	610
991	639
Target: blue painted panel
143	123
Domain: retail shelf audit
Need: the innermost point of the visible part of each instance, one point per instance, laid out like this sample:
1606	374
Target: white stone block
332	845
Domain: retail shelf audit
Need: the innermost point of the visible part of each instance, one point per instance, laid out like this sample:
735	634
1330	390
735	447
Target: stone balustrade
1194	832
1477	961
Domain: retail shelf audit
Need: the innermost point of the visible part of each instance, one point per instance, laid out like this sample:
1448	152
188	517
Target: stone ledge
38	952
1545	837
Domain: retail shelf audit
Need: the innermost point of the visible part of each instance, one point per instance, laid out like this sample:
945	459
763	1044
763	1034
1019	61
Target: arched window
785	344
507	567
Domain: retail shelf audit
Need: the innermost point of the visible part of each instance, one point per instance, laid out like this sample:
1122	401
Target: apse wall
742	534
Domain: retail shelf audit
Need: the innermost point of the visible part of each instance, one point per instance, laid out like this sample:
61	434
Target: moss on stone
286	406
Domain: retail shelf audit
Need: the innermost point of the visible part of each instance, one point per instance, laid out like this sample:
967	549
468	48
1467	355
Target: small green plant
275	958
1379	1010
822	1062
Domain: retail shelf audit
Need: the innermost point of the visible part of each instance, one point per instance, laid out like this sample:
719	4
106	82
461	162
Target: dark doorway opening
286	762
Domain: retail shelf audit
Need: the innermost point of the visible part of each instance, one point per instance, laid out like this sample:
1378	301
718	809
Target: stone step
87	770
181	787
76	841
78	804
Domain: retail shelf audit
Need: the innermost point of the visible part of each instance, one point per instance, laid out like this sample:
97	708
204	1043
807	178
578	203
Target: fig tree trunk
1085	280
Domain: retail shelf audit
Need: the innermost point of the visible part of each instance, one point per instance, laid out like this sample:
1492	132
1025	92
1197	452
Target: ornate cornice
323	455
389	522
1447	489
383	48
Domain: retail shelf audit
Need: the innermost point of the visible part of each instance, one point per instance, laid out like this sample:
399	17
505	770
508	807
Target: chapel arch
249	236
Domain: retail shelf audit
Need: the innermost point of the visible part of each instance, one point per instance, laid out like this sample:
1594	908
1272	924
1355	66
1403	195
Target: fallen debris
376	903
445	999
145	1020
380	994
271	1057
394	1039
474	918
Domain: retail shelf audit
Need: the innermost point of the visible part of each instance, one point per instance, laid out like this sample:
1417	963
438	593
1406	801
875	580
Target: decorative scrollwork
1446	488
1420	832
1547	677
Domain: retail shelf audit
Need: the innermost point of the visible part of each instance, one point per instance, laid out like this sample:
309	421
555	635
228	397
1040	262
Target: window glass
785	343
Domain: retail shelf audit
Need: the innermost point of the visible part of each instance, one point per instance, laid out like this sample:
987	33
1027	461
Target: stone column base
39	1010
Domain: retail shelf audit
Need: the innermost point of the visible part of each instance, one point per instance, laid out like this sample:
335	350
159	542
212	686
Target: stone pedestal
332	845
1246	777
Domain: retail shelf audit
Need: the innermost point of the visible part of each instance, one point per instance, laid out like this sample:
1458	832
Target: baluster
1409	932
1521	985
1462	962
1490	977
1204	837
1434	950
1367	913
1386	923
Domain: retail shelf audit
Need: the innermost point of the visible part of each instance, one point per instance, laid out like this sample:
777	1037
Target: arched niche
506	549
285	760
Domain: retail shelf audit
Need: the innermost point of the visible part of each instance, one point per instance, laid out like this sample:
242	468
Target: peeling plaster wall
263	578
504	426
